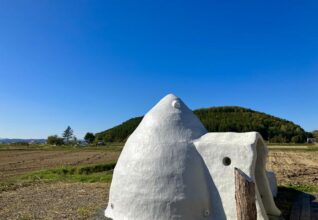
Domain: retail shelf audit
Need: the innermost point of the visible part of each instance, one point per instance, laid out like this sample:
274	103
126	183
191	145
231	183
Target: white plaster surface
247	152
171	168
272	182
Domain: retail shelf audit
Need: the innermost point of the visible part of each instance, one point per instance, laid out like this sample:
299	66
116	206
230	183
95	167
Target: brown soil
294	167
16	162
54	201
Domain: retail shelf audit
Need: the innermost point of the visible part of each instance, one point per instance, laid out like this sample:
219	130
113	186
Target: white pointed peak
170	120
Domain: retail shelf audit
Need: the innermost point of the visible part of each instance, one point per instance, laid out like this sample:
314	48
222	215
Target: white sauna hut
171	168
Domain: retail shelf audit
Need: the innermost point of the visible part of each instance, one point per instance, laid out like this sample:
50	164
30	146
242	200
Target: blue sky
93	64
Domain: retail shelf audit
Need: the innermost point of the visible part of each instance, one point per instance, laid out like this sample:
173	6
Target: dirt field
16	162
294	167
54	201
86	200
299	167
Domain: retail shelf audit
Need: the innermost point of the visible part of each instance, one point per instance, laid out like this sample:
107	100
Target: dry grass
17	162
54	201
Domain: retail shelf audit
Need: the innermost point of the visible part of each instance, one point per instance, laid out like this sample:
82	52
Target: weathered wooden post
244	196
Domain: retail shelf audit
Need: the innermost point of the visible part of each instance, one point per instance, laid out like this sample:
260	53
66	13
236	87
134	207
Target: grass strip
303	188
86	174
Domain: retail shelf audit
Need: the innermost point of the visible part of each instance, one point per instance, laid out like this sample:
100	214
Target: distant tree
89	137
55	140
21	143
297	139
73	140
309	135
68	135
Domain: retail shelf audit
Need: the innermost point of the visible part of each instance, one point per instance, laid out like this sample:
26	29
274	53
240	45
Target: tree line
68	138
225	119
237	119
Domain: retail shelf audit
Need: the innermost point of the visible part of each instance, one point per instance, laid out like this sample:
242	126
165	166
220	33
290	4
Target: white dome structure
170	169
155	173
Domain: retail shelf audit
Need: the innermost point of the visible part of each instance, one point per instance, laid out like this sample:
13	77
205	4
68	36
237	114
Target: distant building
311	140
83	143
100	143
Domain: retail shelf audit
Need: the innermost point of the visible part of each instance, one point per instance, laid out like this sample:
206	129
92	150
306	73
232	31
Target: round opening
226	161
176	104
206	213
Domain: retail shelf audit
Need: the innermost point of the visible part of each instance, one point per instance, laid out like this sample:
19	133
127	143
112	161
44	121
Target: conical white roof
160	174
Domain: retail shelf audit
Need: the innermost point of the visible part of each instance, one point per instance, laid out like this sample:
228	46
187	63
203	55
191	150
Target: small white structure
171	168
311	140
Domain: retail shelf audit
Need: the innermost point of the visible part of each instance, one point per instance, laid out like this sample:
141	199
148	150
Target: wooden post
244	196
301	208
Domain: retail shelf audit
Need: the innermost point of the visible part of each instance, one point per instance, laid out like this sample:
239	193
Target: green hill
230	118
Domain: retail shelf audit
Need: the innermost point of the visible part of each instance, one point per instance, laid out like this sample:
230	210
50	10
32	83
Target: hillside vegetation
222	119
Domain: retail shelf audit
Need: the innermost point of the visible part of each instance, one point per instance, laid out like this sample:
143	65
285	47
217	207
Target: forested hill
230	118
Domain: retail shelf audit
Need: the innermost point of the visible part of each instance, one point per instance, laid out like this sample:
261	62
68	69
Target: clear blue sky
93	64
